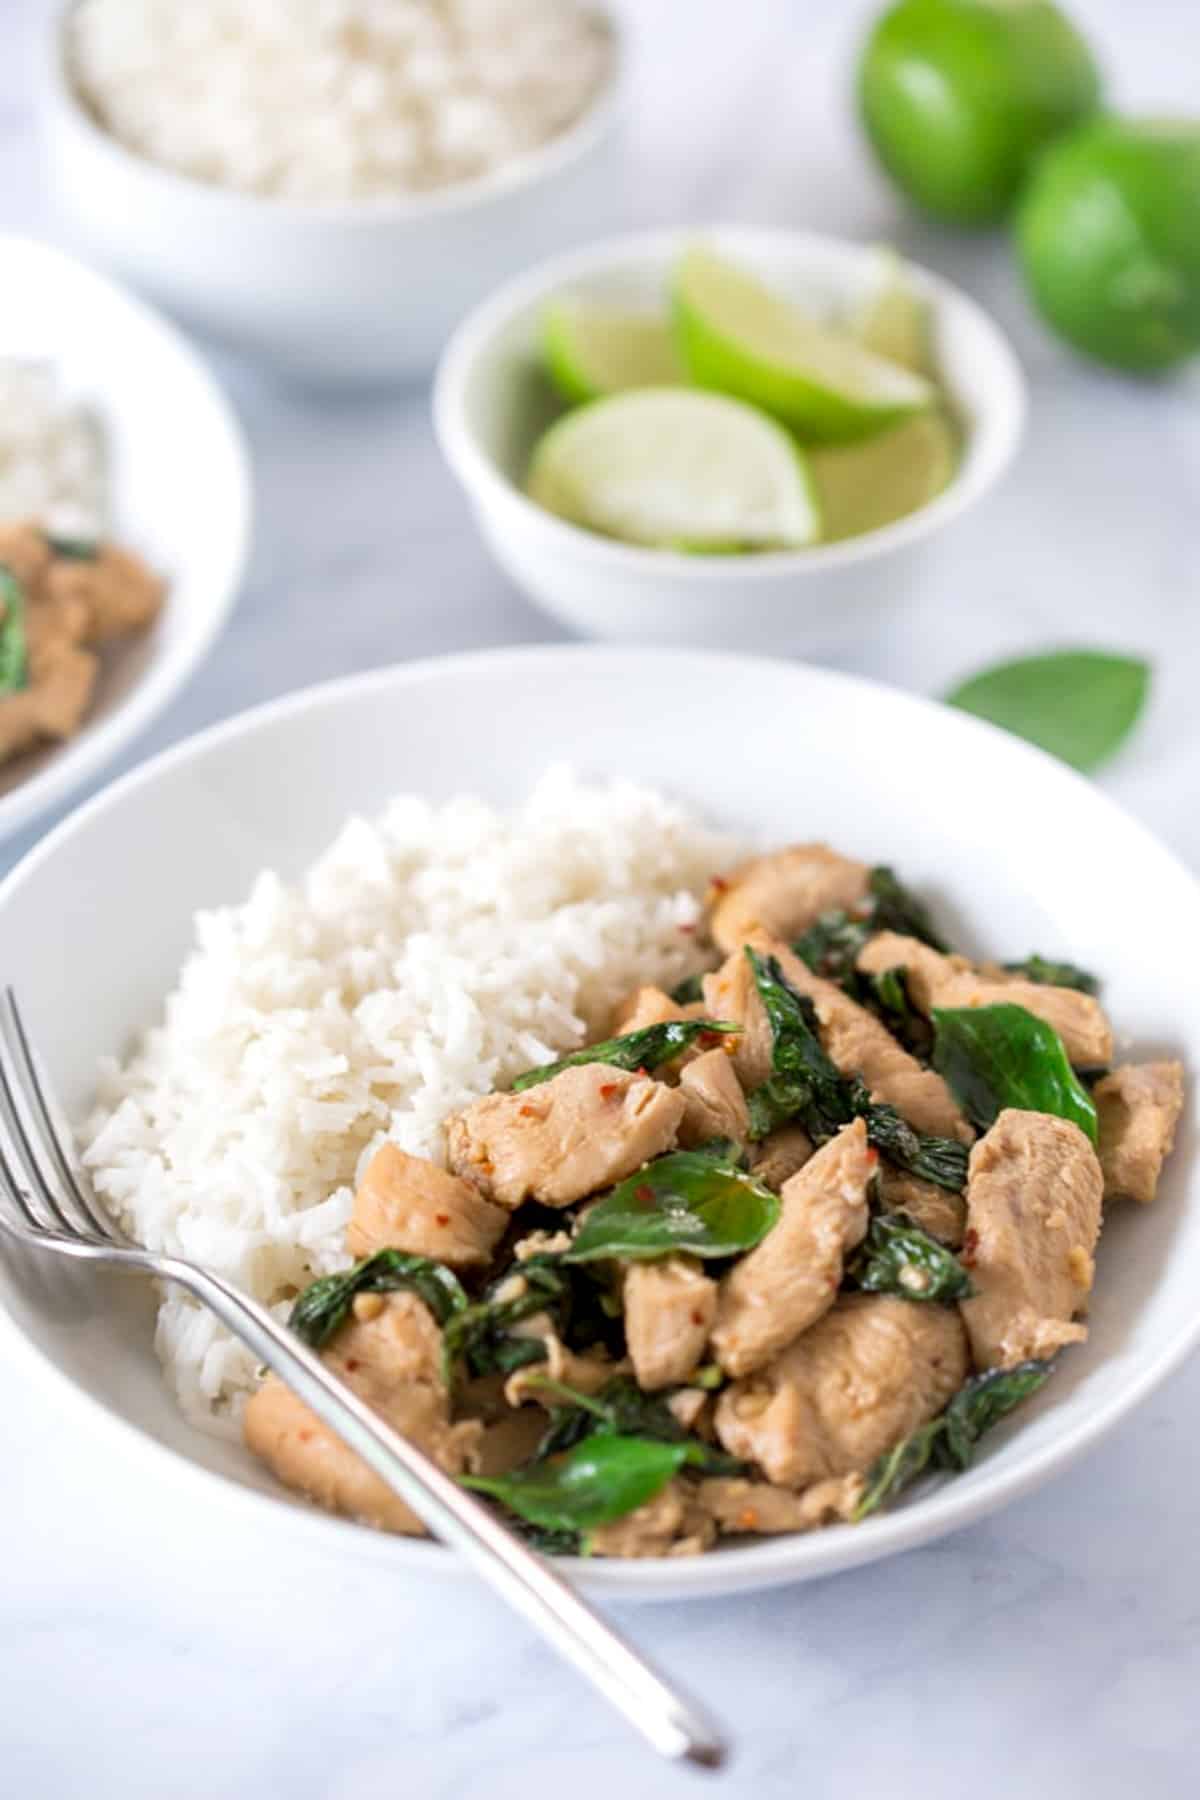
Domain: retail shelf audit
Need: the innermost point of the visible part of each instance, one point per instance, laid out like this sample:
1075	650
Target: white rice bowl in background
423	960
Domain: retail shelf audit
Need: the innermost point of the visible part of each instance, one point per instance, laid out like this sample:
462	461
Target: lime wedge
894	320
739	337
594	350
674	466
863	486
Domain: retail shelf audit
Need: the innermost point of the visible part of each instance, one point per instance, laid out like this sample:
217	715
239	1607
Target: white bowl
362	292
1047	863
491	403
180	487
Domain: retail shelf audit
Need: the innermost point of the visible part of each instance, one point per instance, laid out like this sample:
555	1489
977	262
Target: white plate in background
180	486
1016	851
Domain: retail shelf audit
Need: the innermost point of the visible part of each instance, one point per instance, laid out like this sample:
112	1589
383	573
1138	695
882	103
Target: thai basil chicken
787	1239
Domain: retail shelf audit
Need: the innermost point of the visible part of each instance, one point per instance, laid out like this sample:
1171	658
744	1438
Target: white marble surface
148	1650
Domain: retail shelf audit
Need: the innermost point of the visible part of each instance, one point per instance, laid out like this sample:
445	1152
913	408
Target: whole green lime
957	96
1109	236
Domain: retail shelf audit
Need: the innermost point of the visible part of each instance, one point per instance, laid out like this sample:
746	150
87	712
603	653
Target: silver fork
47	1204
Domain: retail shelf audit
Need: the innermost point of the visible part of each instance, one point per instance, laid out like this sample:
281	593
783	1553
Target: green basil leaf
806	1084
982	1403
949	1441
896	908
940	1160
1055	974
601	1479
682	1202
14	659
1079	705
483	1338
73	549
646	1049
324	1306
898	1257
898	1468
993	1057
623	1410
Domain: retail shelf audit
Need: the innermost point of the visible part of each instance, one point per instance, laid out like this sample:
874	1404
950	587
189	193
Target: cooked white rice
337	100
52	462
424	959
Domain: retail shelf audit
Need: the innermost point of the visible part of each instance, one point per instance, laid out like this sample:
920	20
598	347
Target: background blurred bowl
355	293
491	402
180	487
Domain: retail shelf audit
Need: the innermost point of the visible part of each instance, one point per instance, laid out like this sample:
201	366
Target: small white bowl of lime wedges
729	436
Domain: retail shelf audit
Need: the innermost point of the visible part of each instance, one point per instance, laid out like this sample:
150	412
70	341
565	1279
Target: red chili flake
608	1089
970	1247
697	1318
748	1519
719	883
644	1194
872	1157
708	1040
304	1437
687	930
528	1112
641	1071
351	1364
442	1218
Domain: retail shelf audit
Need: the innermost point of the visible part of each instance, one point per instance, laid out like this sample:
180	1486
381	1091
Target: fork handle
676	1727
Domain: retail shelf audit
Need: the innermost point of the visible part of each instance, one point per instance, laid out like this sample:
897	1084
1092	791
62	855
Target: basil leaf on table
949	1441
1080	705
684	1201
645	1049
898	1257
993	1057
324	1306
1054	974
14	659
601	1479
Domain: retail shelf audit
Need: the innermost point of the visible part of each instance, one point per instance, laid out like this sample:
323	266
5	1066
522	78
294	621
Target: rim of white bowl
992	441
80	759
595	123
776	1561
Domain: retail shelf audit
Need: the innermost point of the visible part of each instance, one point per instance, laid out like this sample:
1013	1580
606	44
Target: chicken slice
782	894
785	1283
1034	1191
860	1379
860	1045
390	1354
1139	1106
714	1103
740	1507
942	1214
575	1134
730	993
781	1155
120	592
672	1524
645	1006
406	1203
670	1306
25	553
61	679
934	980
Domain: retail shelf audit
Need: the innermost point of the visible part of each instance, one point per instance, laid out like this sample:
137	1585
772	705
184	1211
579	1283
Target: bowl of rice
330	189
